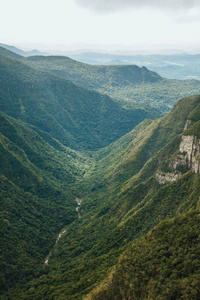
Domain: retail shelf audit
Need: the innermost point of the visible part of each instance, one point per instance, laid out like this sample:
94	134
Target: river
78	201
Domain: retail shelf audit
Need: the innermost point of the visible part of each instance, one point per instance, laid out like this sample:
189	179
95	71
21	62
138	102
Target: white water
78	201
59	236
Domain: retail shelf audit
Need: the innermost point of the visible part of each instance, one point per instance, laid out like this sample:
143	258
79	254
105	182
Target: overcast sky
101	24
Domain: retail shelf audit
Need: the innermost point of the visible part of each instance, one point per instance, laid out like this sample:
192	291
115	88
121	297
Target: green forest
99	195
123	82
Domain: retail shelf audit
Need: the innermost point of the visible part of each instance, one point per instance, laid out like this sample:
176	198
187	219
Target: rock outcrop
168	177
190	145
188	156
187	124
177	160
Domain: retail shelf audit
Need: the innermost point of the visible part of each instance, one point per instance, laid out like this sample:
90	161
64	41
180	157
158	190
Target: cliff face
191	146
188	156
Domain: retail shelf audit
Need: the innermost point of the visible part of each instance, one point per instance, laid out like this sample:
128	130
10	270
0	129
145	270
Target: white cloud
114	5
120	23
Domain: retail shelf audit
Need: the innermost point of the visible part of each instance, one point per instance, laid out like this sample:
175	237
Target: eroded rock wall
189	155
190	145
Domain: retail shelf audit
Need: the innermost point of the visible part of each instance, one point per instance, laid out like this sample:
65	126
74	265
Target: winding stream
59	236
78	201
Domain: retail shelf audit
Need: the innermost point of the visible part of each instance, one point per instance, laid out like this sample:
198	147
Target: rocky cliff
190	145
188	156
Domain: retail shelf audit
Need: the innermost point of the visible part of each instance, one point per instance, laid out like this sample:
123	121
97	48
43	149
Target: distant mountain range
125	82
21	52
174	66
99	196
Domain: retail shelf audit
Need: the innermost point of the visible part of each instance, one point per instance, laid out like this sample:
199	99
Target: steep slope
113	216
102	203
123	159
163	265
20	52
37	178
78	118
6	52
152	203
117	75
148	200
128	82
13	49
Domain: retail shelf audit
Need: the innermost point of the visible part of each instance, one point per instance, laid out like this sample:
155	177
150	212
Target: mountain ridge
112	219
75	116
35	202
128	82
72	220
118	81
20	52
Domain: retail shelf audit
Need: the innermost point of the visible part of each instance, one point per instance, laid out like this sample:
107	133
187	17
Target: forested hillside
163	265
90	183
37	175
118	209
173	65
77	117
127	82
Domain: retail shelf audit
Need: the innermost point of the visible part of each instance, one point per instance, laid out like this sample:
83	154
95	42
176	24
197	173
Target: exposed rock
191	145
189	156
187	124
168	177
178	160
